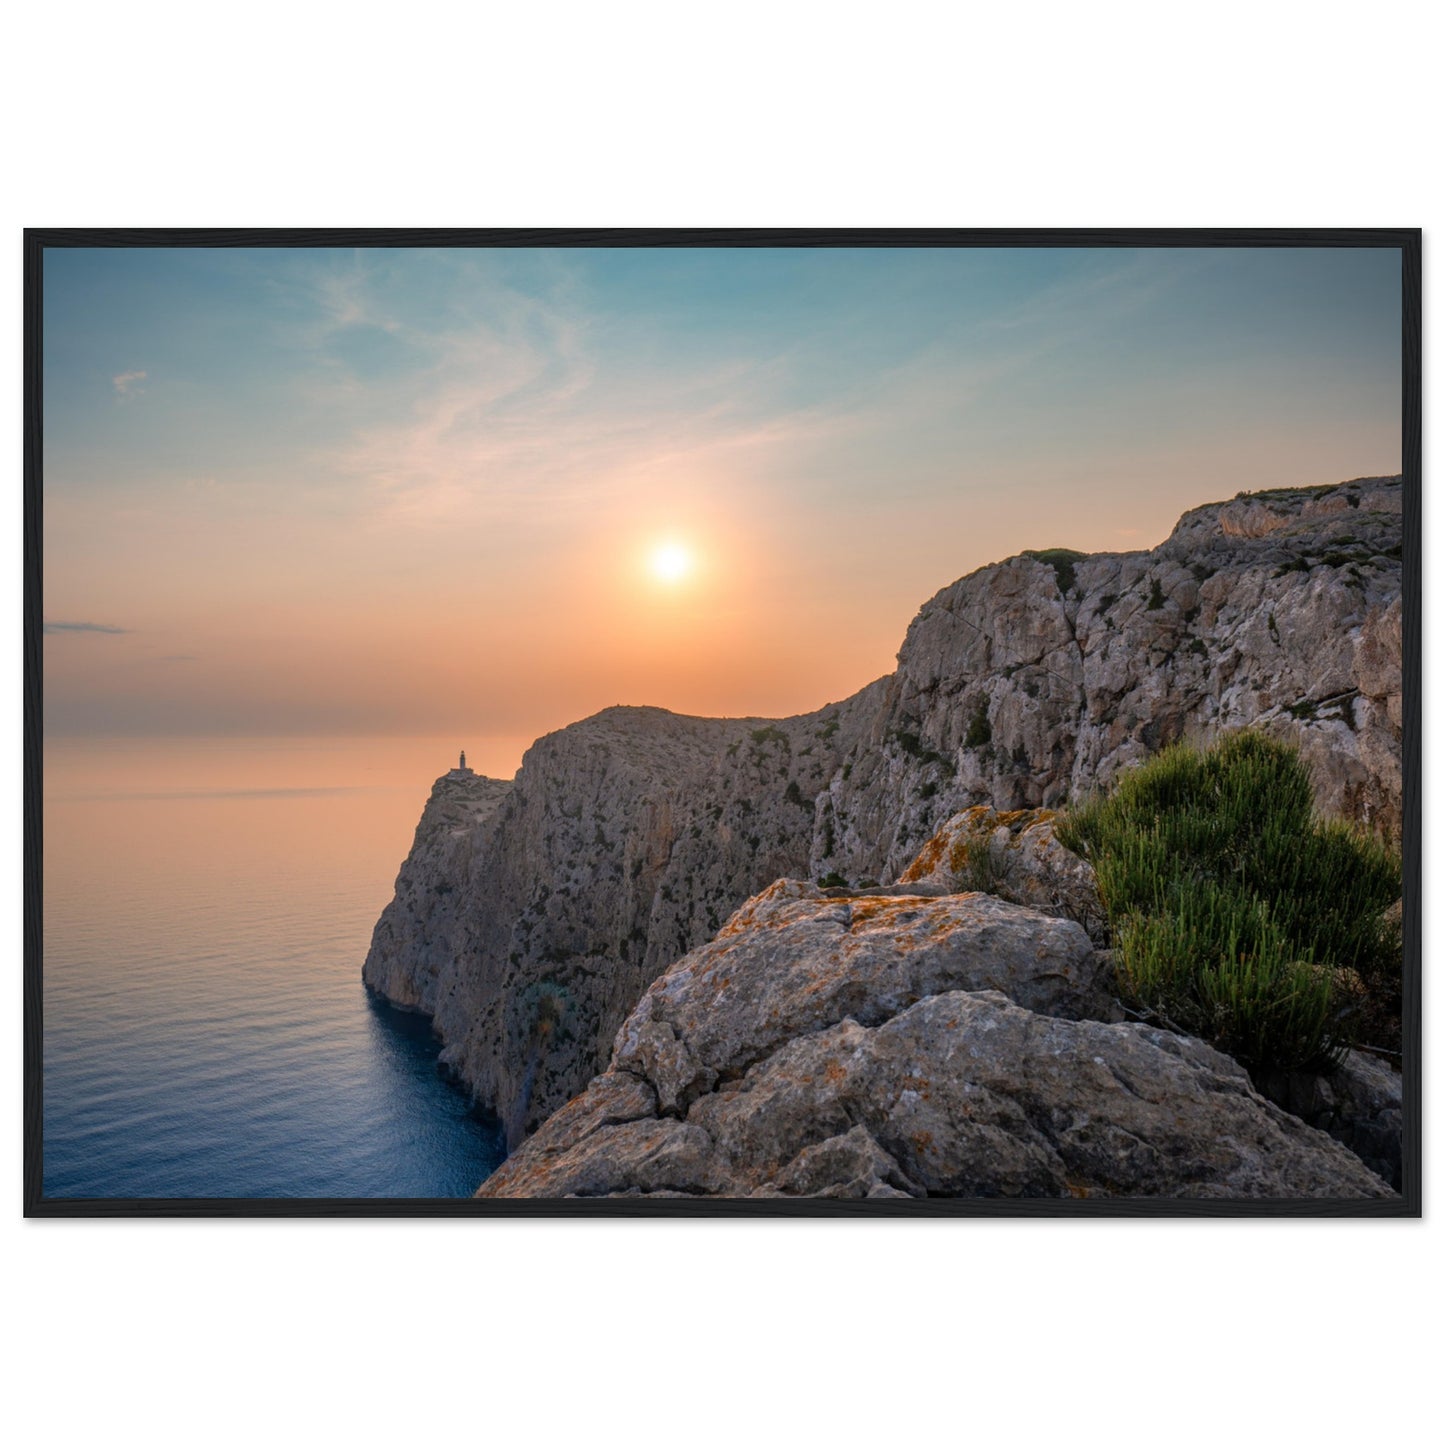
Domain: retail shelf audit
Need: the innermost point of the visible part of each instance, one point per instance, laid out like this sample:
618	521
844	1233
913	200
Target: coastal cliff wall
421	934
531	916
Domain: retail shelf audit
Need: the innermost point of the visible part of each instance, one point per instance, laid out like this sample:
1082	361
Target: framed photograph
700	722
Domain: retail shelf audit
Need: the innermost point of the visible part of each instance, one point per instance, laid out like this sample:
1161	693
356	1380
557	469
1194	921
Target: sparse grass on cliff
1238	915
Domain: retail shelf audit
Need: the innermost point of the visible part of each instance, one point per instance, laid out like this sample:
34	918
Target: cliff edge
531	916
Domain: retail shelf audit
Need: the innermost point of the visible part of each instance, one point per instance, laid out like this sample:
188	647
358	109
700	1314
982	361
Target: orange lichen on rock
879	910
926	861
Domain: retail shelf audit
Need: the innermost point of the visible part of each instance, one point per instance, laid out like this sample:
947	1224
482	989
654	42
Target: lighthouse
462	765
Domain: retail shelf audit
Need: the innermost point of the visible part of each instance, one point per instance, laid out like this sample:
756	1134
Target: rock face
867	1047
1358	1100
1028	683
627	839
1014	856
421	934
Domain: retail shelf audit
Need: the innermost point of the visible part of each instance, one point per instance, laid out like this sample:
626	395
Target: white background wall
657	114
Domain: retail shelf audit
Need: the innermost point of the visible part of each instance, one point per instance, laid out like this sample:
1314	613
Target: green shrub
832	880
1295	564
1238	915
981	872
1062	560
980	732
912	744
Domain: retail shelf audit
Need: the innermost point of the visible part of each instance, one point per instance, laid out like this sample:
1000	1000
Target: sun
670	562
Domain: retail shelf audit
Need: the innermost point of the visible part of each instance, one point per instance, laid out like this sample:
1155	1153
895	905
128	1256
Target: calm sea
208	906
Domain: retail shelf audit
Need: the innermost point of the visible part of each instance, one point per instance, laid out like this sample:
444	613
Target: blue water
207	1034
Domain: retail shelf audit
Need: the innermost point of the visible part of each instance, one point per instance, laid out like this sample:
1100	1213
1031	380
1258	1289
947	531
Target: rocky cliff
421	933
530	932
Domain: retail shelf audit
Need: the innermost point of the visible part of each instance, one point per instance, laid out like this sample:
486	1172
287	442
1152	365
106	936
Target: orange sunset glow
670	562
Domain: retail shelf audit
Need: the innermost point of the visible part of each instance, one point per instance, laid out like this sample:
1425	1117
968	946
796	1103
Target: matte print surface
877	722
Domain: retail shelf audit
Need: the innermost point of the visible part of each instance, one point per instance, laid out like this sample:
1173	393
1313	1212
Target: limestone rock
1015	856
827	1047
794	960
1025	685
421	932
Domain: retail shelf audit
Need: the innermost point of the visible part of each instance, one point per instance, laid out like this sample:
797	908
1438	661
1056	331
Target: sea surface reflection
207	907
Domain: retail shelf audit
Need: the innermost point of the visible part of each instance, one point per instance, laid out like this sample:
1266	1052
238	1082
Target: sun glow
670	562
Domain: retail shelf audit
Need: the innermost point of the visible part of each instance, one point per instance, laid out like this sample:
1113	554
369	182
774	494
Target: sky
424	492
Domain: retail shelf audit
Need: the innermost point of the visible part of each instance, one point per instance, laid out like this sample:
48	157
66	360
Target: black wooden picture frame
1408	1203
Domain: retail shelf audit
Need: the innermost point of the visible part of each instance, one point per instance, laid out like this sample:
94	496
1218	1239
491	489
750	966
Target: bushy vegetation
980	872
1237	914
980	731
1062	560
913	745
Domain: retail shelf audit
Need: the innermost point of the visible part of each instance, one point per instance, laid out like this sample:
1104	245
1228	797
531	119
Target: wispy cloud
487	392
128	383
513	422
85	627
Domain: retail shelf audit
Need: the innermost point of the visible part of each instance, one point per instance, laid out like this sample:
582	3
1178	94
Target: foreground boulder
795	960
883	1047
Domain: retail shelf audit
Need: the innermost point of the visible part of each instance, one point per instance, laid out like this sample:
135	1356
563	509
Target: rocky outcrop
1015	856
795	959
832	1046
627	839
